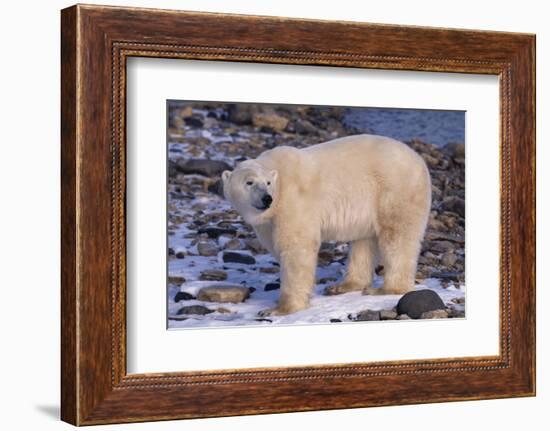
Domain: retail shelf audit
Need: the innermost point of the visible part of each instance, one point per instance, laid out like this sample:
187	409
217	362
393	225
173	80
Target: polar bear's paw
275	311
338	289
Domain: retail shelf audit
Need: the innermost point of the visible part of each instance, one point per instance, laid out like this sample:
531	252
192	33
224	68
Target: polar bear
372	191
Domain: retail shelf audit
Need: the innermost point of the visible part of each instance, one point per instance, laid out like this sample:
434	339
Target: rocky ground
219	274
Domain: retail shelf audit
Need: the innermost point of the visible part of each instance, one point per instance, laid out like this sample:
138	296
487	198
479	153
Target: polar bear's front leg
297	280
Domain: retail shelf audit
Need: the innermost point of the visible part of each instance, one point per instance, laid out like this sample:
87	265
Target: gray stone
195	309
368	315
388	315
229	293
449	258
417	302
434	314
454	204
176	279
403	317
233	244
206	248
213	275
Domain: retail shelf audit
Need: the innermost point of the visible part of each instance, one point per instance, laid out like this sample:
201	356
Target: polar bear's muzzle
266	202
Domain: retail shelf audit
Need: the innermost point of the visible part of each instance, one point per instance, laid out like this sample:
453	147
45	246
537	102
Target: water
432	126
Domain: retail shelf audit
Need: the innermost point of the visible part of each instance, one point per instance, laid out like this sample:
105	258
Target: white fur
370	190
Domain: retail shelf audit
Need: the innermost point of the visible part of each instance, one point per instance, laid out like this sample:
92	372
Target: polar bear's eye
249	183
269	183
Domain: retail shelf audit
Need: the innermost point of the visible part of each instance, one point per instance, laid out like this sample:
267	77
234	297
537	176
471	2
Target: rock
434	314
454	204
272	286
215	232
388	315
176	279
206	248
255	245
183	296
441	246
240	113
335	320
449	258
213	275
229	293
417	302
269	270
195	309
177	318
223	310
234	257
456	150
368	315
403	317
326	280
206	167
180	254
447	275
216	187
193	121
270	120
459	300
304	127
233	244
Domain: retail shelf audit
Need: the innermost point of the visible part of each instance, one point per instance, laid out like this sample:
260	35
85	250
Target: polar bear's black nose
266	200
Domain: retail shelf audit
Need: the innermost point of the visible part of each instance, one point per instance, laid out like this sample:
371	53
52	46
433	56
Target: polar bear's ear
226	175
274	175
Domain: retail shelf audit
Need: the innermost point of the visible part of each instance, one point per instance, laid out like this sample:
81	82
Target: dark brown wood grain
96	41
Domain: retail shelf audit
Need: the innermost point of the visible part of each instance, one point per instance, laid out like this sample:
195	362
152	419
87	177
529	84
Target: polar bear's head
252	190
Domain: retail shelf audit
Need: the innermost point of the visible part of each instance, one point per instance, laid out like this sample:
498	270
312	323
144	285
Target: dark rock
417	302
177	318
368	315
183	296
216	187
180	254
206	167
272	286
240	113
231	256
454	204
195	122
171	251
263	319
447	275
304	127
195	309
335	320
215	232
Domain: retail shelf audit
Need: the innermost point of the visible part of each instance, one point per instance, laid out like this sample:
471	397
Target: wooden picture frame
95	43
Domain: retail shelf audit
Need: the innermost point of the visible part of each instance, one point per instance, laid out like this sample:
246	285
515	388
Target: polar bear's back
364	179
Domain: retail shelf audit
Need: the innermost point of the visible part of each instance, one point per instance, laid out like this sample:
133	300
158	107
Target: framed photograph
260	217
